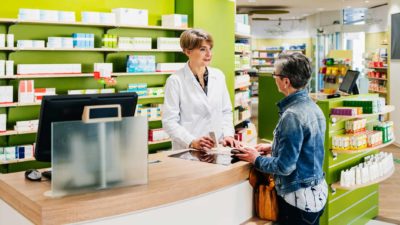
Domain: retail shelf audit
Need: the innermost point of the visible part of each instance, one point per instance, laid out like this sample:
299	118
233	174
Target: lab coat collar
191	80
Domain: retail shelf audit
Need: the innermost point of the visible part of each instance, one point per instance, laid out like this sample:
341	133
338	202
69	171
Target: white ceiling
302	8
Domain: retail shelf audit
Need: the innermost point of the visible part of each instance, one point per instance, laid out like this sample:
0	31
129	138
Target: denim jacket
298	147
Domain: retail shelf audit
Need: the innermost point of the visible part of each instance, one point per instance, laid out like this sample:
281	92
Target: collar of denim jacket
290	99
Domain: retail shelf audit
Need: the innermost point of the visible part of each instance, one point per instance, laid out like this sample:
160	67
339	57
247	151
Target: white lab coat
188	113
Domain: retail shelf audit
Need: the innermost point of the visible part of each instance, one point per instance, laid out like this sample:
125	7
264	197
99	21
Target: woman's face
200	56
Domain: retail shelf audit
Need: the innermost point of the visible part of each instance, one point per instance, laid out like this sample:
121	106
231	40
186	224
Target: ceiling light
252	0
320	9
348	7
366	1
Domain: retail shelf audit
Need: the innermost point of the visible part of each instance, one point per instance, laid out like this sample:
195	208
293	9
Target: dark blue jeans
290	215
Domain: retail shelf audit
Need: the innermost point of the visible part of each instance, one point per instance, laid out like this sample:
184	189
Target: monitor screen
70	108
348	84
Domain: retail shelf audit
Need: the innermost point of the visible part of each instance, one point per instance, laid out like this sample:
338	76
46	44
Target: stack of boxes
242	24
152	112
92	91
26	125
98	18
174	20
141	89
83	40
16	152
46	15
140	63
369	105
129	16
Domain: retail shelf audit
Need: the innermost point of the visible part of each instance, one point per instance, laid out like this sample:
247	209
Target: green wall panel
268	96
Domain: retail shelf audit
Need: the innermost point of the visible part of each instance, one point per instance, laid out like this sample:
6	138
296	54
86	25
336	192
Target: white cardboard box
48	68
3	122
168	43
174	20
105	69
129	16
6	94
26	91
242	28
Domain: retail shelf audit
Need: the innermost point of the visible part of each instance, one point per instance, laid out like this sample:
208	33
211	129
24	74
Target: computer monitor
349	84
69	108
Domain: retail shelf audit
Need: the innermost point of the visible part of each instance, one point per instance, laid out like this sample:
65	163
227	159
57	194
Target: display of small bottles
374	167
355	126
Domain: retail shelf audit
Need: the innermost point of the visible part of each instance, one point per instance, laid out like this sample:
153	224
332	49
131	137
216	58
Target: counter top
170	180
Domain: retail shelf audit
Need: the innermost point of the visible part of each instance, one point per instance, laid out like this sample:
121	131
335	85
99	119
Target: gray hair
296	67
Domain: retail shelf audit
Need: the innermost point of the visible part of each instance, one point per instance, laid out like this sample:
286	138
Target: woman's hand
231	142
264	149
202	143
248	154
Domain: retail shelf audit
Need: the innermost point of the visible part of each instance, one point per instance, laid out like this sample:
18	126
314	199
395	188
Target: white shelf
13	132
380	92
244	36
90	49
363	150
17	104
353	187
156	119
69	75
242	86
11	20
378	68
241	121
150	97
5	162
376	78
159	142
141	74
57	75
387	109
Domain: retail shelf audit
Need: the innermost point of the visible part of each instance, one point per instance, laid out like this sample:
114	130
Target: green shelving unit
201	15
356	206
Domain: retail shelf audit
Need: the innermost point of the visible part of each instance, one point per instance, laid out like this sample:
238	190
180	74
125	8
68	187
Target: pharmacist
196	100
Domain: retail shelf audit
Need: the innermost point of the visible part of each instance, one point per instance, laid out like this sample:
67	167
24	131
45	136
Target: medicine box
129	16
169	67
3	122
168	43
140	63
48	68
174	20
6	94
26	92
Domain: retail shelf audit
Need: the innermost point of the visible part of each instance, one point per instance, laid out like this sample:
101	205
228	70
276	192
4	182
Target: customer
298	146
196	98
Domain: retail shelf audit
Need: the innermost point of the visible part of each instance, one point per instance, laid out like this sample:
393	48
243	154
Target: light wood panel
170	180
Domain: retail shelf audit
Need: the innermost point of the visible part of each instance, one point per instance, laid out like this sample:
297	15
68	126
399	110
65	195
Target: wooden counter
170	181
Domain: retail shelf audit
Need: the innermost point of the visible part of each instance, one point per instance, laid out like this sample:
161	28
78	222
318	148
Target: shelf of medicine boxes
242	86
247	103
386	109
6	162
353	187
16	21
89	49
355	151
17	104
375	91
63	75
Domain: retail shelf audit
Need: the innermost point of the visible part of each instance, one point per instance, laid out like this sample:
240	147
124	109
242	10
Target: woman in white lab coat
196	100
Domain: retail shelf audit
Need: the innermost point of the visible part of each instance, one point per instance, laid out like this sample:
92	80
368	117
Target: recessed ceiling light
366	1
348	7
320	9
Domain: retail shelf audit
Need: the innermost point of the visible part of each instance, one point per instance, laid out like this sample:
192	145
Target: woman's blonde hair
193	38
